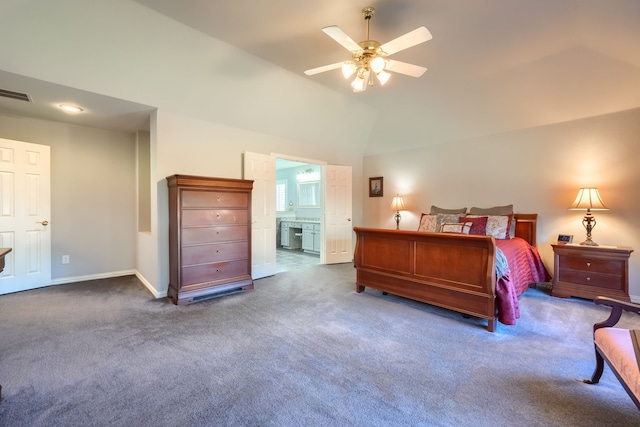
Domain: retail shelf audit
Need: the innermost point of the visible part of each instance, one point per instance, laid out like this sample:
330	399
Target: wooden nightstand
589	271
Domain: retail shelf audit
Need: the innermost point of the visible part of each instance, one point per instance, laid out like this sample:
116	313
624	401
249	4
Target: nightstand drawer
600	280
591	264
590	271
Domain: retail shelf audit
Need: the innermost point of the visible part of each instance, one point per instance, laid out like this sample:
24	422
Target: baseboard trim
150	287
145	282
73	279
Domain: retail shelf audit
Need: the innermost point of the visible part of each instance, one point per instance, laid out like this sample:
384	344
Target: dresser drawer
600	280
226	233
204	273
203	217
202	254
595	265
590	271
214	199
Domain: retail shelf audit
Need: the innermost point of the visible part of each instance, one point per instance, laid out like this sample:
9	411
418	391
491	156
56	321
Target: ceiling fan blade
338	35
324	68
404	68
412	38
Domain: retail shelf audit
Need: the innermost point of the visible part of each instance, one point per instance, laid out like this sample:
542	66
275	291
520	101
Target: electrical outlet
65	259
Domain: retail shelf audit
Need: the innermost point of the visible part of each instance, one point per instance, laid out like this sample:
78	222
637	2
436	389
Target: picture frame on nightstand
563	239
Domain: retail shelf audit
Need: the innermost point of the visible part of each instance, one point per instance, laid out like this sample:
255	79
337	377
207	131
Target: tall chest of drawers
590	271
209	237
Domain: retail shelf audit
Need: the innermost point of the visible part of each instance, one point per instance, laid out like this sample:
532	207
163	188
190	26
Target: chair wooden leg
597	373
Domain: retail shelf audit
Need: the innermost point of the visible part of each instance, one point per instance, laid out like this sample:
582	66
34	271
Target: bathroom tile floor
287	259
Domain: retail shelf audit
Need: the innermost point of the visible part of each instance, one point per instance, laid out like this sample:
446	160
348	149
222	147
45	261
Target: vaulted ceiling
493	65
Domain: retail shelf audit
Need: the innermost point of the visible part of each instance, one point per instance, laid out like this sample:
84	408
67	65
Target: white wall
124	50
195	147
539	170
92	195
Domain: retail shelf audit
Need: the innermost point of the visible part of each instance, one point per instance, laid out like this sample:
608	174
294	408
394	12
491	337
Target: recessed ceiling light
71	108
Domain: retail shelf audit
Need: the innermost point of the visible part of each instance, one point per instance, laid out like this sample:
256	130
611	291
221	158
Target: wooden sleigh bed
453	271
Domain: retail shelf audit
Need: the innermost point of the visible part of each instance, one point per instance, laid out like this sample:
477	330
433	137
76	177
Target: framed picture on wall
376	186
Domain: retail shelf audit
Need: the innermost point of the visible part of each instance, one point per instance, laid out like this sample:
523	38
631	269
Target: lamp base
397	218
589	242
589	223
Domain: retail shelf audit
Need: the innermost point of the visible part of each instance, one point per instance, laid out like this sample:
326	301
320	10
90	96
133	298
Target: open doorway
299	213
335	237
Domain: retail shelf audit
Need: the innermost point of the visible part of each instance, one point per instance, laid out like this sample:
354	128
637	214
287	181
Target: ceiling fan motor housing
370	50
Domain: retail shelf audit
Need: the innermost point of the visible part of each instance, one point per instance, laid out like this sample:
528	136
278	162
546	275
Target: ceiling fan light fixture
348	68
377	64
359	84
383	77
369	57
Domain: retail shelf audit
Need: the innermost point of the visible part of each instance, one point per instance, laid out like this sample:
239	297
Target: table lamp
588	199
397	205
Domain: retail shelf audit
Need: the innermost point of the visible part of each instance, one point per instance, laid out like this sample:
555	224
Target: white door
338	241
25	212
262	170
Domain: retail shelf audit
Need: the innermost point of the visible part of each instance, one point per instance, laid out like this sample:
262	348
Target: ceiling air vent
14	95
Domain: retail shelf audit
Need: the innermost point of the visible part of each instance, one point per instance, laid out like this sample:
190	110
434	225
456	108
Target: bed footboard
456	272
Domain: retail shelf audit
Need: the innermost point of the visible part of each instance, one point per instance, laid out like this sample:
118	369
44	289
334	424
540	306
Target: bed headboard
526	227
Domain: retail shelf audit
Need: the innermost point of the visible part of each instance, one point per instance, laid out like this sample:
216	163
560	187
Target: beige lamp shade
397	204
588	199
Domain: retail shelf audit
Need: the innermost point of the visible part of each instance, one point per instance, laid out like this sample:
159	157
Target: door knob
45	222
349	219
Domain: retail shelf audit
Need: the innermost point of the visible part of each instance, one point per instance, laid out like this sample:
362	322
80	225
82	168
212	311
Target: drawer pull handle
217	215
588	279
588	264
218	198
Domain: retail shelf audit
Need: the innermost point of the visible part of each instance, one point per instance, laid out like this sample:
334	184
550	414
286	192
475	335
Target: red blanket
525	268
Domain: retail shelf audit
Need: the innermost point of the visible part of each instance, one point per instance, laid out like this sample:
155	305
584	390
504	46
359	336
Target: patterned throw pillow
433	223
442	218
456	227
497	225
497	210
479	227
428	223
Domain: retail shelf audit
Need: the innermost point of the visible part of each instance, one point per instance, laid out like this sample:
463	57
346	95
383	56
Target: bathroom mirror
309	194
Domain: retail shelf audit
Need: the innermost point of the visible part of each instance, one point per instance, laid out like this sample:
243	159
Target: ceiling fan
369	57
